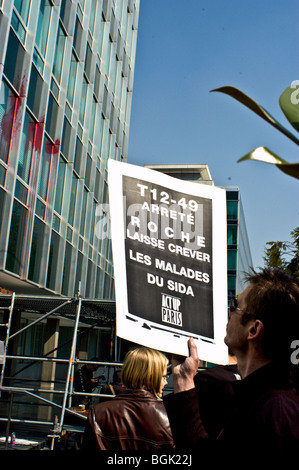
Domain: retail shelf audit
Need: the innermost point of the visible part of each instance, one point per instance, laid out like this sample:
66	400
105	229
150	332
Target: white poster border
129	326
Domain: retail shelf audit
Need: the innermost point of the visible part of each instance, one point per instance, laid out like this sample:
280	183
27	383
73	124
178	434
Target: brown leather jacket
133	420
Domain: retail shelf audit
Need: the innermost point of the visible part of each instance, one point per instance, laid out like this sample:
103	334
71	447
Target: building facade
239	259
66	80
238	249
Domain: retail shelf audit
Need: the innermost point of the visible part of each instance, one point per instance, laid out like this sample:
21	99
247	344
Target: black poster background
145	299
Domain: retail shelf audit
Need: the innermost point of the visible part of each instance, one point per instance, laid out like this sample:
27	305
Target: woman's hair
144	368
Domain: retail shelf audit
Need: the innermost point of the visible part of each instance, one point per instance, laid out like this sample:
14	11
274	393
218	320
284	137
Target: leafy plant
289	104
284	255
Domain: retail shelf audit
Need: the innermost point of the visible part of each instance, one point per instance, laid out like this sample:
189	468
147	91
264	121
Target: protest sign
169	257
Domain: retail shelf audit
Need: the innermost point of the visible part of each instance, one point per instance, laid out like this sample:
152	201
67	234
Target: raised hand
185	368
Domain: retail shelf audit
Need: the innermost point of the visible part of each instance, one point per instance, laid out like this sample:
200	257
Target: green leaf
264	155
289	103
257	109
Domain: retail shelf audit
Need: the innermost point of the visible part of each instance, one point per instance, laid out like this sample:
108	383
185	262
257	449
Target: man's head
93	367
267	313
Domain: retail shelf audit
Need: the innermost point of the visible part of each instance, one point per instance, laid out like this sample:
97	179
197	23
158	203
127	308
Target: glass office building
239	258
66	79
238	249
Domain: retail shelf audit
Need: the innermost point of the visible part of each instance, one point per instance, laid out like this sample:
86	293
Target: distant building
238	249
66	79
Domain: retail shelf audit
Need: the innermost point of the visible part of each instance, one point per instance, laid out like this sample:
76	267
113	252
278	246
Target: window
72	79
88	62
231	260
118	79
2	200
98	191
66	138
13	69
101	36
105	140
89	288
7	114
43	24
44	171
101	131
67	269
231	284
79	156
232	210
92	118
83	101
2	178
112	66
92	15
78	34
22	7
60	185
78	270
18	27
52	116
81	4
89	173
53	260
35	91
92	222
63	10
26	149
16	238
232	231
107	58
83	213
73	200
232	195
21	192
31	341
59	52
36	250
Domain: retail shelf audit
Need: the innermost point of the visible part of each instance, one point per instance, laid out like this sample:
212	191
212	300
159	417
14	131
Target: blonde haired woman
135	419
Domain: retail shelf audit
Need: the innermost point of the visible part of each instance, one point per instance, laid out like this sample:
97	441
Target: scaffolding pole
68	389
8	326
70	367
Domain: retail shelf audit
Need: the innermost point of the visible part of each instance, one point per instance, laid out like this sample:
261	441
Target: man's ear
256	330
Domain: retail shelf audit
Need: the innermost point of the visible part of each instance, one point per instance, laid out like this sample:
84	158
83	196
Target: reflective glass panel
43	24
59	52
60	185
44	171
232	210
73	200
22	7
36	250
53	260
231	259
232	231
16	238
7	110
26	149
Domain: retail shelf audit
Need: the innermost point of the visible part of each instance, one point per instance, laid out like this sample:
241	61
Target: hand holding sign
185	368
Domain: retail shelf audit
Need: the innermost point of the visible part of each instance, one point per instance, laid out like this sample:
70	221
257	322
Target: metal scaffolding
94	313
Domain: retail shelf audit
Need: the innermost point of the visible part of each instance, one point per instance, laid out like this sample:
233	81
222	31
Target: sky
187	48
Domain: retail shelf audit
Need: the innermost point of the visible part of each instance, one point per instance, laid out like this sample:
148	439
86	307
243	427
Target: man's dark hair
274	300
